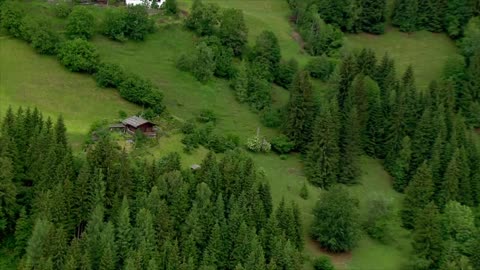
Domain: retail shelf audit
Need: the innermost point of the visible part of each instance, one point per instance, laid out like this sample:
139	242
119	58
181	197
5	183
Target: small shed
134	123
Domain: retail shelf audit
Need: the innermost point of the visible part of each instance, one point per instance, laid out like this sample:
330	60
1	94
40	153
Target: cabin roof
135	121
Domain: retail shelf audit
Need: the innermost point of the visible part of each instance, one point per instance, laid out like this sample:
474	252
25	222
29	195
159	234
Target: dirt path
340	260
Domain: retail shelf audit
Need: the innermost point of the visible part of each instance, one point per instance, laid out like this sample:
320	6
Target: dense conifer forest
111	204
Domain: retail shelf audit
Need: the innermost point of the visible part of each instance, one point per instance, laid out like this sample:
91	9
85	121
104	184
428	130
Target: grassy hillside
29	79
426	51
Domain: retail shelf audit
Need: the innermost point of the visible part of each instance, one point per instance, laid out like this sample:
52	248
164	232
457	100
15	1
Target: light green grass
29	79
426	51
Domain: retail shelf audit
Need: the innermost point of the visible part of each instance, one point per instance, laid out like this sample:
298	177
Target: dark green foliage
418	194
62	10
405	15
267	50
379	215
114	24
320	67
203	65
401	167
223	58
233	31
80	23
78	55
300	111
281	144
130	23
458	12
142	92
12	14
335	224
171	7
304	191
323	155
8	197
44	39
203	18
427	237
470	43
323	263
320	37
339	13
206	116
286	73
271	117
138	24
372	16
109	75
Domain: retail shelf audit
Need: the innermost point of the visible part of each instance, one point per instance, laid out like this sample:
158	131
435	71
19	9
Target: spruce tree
401	167
372	16
427	236
335	223
450	188
300	111
349	143
8	193
233	31
347	73
418	193
405	15
108	258
323	156
124	231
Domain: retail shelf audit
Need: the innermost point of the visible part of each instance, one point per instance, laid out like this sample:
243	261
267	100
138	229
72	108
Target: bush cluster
320	67
258	144
205	136
282	144
80	23
131	22
79	55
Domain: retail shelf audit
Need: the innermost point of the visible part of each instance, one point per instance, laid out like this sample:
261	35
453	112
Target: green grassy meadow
28	79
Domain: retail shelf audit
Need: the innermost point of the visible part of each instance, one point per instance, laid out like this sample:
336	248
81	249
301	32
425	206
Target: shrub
286	71
45	40
122	114
138	24
258	144
304	191
109	75
80	23
320	67
188	127
203	65
185	62
203	18
79	55
170	7
114	25
12	14
224	62
282	145
323	263
207	116
335	222
141	92
28	26
379	215
62	10
271	118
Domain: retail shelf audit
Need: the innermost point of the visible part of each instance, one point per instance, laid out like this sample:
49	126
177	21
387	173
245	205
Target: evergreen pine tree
124	231
350	148
108	258
322	162
372	16
450	188
401	168
8	193
418	193
347	73
300	111
427	236
405	15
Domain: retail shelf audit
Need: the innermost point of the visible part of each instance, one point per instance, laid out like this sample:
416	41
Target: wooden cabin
135	123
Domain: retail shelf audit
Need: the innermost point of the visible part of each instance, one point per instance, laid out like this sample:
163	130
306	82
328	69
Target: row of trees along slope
76	53
107	211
